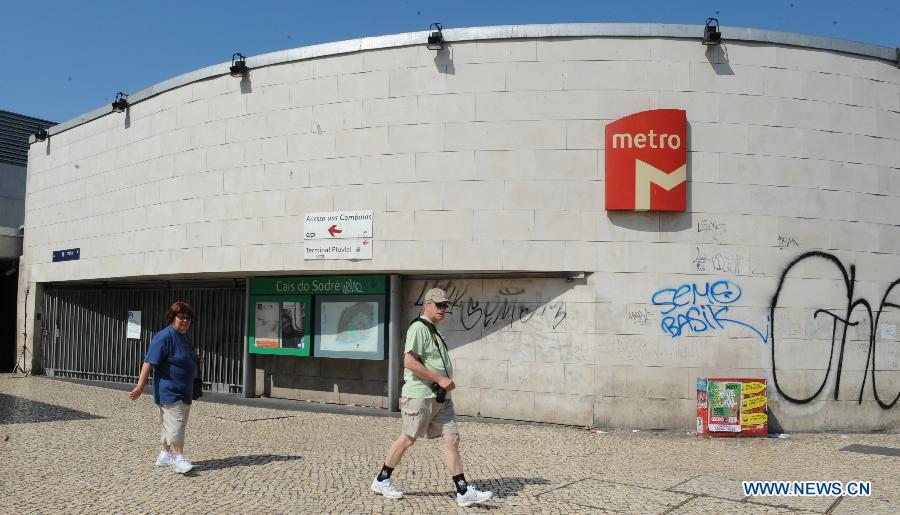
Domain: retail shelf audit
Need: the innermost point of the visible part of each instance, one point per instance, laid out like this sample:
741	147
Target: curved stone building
379	167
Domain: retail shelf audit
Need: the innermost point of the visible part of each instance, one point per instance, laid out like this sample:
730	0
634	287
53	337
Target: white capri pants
173	418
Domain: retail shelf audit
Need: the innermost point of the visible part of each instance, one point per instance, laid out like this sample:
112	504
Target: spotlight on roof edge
41	134
120	104
238	65
436	37
711	34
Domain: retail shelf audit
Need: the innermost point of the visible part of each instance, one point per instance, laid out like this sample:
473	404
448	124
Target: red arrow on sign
365	242
333	229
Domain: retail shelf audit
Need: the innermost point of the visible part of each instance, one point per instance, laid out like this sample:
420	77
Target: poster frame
133	324
251	340
713	421
376	355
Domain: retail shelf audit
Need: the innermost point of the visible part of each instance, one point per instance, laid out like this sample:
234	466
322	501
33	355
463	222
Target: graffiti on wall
508	310
712	228
701	308
717	262
840	323
640	316
785	242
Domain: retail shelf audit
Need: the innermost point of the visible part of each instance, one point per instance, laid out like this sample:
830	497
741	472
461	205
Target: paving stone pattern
79	448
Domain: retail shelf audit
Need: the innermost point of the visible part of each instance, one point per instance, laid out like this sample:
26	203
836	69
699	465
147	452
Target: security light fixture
121	102
41	134
711	34
435	37
238	65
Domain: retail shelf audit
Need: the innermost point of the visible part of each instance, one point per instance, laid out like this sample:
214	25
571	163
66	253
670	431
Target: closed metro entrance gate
102	332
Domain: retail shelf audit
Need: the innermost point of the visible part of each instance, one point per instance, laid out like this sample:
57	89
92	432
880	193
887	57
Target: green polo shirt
419	341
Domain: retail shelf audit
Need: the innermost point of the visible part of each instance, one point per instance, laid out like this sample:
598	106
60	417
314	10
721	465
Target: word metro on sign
646	161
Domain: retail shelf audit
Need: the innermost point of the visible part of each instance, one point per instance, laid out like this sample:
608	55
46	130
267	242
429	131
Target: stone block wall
337	381
489	157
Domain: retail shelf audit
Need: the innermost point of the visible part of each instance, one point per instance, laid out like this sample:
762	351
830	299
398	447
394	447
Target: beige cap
435	295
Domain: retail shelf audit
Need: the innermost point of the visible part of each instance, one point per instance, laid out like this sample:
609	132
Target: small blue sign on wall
66	255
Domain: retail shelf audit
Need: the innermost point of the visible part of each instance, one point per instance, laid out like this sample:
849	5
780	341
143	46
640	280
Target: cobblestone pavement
79	448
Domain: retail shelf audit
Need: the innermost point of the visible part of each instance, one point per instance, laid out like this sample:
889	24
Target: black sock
385	473
460	483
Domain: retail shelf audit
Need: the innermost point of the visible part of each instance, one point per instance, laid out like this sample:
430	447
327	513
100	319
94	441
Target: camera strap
435	336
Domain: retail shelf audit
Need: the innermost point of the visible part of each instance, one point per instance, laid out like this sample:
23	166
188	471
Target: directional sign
338	249
338	225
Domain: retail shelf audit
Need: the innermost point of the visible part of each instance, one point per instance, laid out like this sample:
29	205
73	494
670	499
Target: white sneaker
386	488
472	496
164	460
182	465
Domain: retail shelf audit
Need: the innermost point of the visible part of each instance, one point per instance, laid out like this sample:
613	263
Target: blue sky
64	58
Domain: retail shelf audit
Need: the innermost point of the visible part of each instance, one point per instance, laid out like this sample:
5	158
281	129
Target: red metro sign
646	161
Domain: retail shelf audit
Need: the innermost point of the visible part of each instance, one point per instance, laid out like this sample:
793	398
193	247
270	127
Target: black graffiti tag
454	293
845	322
490	313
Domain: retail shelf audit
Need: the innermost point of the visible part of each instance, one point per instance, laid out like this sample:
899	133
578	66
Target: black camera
441	394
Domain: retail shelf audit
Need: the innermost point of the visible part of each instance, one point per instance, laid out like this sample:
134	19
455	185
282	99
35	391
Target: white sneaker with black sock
472	496
386	488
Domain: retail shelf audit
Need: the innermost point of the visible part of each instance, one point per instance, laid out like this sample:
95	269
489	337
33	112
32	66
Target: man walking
425	403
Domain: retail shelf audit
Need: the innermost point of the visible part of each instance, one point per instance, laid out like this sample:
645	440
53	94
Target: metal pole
395	344
249	362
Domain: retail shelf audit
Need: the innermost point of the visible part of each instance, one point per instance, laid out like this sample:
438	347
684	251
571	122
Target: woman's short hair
179	308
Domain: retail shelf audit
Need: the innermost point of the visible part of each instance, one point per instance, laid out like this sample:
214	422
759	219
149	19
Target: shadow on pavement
501	486
451	496
508	485
242	461
16	410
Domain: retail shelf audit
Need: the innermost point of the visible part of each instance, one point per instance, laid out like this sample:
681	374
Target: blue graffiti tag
701	308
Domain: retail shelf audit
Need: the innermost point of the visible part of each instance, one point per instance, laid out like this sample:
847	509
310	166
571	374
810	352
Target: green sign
325	285
281	315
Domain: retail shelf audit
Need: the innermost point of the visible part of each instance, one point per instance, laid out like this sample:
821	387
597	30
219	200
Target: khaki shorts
172	421
427	417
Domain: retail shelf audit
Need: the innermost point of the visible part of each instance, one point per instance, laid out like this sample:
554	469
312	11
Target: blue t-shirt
174	366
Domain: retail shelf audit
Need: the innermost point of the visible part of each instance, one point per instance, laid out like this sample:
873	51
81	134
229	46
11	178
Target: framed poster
266	323
293	325
350	326
724	406
280	325
133	327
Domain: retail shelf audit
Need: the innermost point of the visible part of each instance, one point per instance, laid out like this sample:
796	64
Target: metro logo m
645	175
646	161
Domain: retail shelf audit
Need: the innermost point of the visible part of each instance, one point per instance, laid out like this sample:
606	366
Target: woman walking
174	365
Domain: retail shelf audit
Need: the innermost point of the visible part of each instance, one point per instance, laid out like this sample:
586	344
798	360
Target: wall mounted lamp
711	34
238	65
120	104
435	37
41	134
